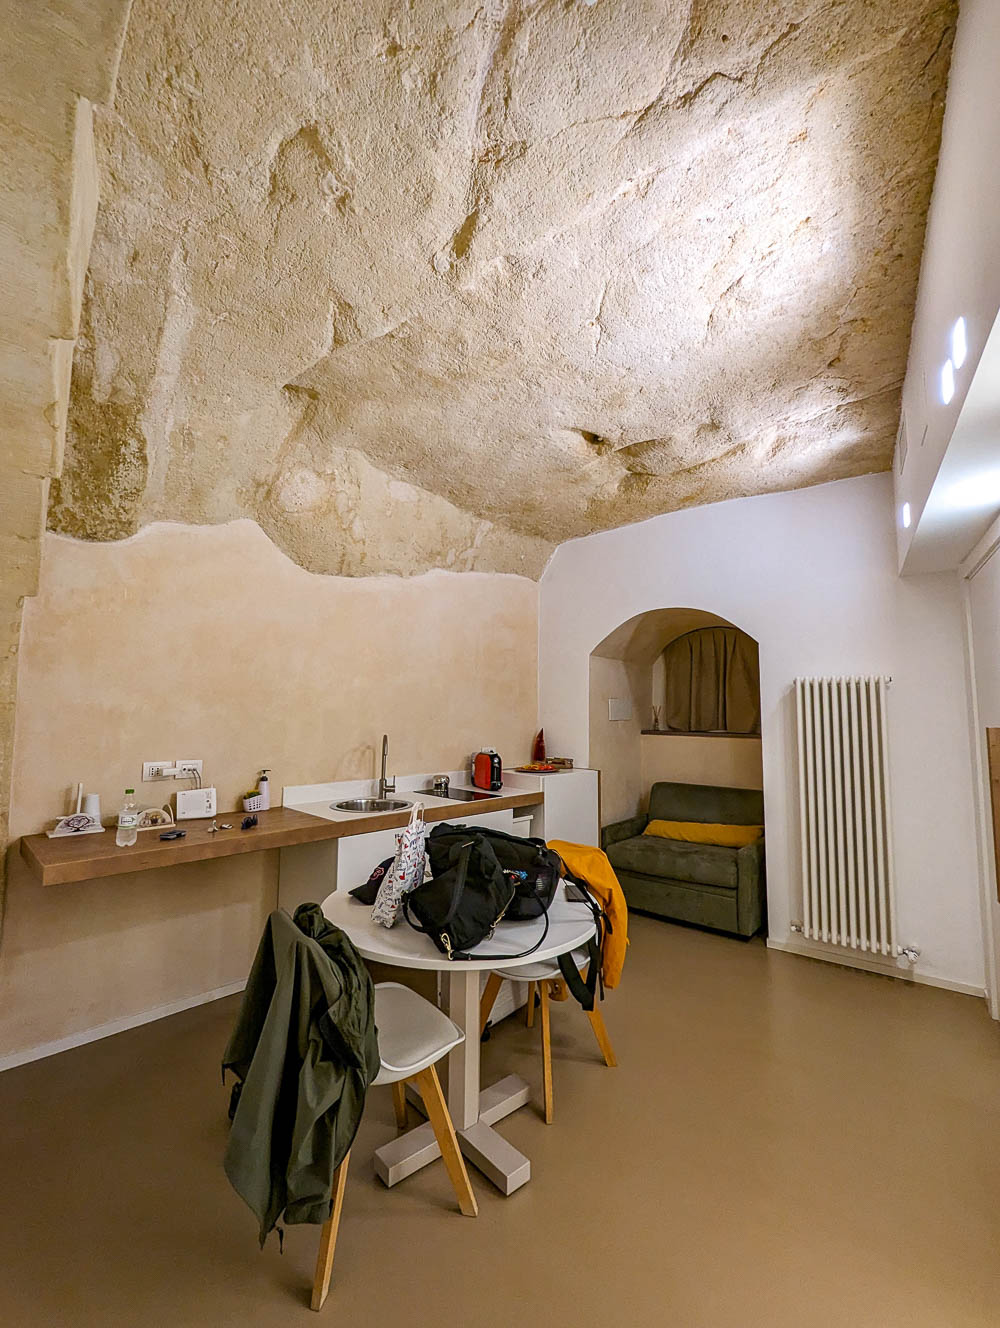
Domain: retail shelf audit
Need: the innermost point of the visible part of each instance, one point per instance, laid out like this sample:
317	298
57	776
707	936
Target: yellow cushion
701	832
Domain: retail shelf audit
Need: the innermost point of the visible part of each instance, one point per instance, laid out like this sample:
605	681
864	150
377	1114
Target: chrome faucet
384	785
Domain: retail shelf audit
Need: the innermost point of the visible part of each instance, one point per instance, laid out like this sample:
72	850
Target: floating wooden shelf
84	857
678	733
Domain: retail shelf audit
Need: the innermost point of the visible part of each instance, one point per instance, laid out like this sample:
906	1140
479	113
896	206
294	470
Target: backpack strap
584	991
461	853
521	954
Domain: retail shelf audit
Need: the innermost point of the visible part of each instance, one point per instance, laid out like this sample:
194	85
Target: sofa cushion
702	864
705	802
705	832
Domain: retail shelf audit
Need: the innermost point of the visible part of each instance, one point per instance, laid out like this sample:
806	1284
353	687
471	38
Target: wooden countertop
84	857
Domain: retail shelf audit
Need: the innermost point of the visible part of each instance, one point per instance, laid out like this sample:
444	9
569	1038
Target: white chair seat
545	971
412	1033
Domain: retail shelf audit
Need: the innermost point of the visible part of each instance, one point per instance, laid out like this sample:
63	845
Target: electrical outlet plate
194	803
185	769
156	770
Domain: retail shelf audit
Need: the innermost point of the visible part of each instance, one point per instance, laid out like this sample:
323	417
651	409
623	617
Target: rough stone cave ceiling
446	283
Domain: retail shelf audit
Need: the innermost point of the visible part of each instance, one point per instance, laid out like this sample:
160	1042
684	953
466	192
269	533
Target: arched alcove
624	686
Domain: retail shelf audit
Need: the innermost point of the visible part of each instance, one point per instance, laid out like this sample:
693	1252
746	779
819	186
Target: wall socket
170	770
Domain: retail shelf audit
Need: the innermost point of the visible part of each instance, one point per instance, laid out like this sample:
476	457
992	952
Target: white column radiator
848	896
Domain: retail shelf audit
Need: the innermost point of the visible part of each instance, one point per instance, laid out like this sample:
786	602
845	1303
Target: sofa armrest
750	863
751	890
614	834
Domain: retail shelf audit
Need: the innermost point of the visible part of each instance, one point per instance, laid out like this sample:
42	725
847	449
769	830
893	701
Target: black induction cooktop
459	795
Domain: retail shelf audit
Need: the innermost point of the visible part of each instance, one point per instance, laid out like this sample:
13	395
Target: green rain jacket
305	1047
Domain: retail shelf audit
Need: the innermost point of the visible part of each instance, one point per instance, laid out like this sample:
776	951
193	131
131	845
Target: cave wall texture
442	284
58	58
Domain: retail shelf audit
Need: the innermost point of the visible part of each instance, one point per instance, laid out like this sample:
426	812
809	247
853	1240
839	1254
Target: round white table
473	1112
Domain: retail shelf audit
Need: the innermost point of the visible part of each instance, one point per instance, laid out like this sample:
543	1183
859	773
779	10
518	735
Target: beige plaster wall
614	744
208	642
693	758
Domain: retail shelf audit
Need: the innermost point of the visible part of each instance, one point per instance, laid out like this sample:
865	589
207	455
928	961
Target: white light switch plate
192	803
619	707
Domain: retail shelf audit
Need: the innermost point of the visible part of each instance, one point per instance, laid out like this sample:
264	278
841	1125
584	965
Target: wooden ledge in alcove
668	733
85	857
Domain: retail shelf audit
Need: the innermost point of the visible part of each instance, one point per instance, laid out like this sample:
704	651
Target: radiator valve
910	953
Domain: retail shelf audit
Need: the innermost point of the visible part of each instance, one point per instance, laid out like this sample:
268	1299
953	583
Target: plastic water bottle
128	821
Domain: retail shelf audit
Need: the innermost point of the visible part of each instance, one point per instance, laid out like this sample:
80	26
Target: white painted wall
983	606
960	269
812	576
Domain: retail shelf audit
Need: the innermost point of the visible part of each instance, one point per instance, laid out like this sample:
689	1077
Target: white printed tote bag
406	872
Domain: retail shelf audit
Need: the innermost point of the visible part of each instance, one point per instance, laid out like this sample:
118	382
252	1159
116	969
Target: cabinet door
570	808
359	855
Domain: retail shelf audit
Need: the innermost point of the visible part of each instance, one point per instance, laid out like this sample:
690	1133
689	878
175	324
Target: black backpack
532	869
464	902
473	888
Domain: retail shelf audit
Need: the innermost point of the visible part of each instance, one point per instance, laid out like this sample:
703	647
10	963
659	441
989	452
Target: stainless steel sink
370	805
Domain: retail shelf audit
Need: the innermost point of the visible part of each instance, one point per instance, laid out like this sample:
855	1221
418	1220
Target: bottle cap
130	790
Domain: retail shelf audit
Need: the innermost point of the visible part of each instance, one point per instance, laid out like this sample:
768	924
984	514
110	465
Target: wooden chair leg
444	1132
328	1238
529	1010
399	1103
546	1053
490	993
601	1033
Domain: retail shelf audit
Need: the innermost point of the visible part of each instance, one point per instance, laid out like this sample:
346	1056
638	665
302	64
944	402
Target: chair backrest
706	803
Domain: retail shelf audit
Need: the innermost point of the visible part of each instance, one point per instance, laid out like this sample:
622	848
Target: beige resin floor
785	1143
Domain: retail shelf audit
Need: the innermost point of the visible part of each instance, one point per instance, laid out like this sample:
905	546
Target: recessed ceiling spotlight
959	343
906	516
947	381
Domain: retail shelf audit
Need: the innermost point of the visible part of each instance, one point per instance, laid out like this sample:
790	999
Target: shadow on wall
626	681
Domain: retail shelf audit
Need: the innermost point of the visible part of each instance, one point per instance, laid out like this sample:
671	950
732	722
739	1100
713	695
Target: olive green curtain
712	682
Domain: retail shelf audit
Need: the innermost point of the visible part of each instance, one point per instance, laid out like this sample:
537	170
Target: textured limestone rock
57	58
445	283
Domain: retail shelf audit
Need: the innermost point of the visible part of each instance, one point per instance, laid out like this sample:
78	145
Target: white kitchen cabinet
570	810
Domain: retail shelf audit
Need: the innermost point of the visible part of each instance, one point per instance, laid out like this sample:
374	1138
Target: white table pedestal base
474	1113
499	1161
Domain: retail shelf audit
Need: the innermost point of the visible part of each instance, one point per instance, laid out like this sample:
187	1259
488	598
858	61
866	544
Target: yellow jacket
592	866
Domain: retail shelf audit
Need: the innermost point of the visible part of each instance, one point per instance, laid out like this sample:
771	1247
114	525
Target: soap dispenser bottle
264	791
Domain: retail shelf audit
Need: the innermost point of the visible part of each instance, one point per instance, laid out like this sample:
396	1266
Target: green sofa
721	888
